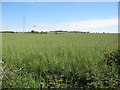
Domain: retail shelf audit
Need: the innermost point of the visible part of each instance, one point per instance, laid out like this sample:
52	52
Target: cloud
79	25
95	25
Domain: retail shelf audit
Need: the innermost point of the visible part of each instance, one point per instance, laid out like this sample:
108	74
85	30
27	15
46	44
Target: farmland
58	60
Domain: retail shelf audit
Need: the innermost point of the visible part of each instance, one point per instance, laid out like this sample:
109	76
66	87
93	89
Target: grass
66	60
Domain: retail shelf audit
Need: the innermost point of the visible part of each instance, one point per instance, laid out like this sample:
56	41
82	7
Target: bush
18	79
113	57
43	32
34	31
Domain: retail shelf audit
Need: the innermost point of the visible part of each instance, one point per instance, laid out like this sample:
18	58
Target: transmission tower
24	24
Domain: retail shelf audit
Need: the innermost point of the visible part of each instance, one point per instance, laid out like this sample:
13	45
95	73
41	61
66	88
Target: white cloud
97	25
80	25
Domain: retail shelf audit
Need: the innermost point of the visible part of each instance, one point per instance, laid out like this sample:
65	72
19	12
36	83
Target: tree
32	31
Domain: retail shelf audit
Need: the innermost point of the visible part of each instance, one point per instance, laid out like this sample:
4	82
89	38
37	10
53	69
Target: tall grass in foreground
58	60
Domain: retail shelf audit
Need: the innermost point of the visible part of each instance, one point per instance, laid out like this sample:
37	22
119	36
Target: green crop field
64	60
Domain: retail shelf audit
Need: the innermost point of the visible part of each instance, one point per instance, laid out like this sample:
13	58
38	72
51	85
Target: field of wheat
64	60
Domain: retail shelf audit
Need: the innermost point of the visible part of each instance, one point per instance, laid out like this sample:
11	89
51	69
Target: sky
67	16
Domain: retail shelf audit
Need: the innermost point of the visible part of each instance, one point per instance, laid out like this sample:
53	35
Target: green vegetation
70	60
36	32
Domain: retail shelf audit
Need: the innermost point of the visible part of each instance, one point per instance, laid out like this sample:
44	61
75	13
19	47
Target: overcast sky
68	16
